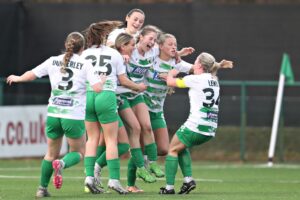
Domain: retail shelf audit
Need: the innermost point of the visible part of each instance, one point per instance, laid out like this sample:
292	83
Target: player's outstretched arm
27	76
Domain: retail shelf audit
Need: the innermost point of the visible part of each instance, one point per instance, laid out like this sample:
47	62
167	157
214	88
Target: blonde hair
73	44
122	39
210	65
163	36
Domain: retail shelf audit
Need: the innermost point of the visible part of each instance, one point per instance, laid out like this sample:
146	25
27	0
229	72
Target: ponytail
73	44
96	33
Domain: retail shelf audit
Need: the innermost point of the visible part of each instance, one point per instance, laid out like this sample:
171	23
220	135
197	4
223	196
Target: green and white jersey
156	92
137	68
68	90
107	61
204	103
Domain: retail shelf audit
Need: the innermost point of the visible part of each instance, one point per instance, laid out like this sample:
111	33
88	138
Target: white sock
113	181
170	187
62	163
187	179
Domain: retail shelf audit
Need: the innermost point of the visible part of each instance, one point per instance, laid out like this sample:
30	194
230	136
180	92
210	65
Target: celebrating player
202	122
68	74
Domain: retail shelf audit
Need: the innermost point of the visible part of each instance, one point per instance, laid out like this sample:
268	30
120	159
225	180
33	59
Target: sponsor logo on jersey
62	101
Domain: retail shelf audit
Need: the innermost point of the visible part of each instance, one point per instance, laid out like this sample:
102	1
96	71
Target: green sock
46	173
151	151
137	157
89	163
131	172
122	149
114	168
71	159
100	150
185	162
172	165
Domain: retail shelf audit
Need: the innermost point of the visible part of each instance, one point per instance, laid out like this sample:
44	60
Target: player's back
107	61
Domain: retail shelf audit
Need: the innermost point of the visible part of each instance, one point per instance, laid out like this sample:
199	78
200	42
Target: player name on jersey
71	64
213	83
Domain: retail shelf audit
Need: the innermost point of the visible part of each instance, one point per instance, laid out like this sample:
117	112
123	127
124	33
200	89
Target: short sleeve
191	81
119	62
42	69
183	66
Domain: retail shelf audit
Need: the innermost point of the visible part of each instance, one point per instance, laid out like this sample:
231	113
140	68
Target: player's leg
150	147
93	132
136	163
107	115
189	138
161	135
171	164
123	148
54	134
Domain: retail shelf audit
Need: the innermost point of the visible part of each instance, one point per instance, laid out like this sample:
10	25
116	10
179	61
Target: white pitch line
160	179
198	166
104	178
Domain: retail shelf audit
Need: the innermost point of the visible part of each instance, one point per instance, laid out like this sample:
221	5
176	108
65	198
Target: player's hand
126	58
173	73
13	78
103	78
142	87
186	51
226	64
163	75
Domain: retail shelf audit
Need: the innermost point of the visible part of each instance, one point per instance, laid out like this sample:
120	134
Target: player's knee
135	129
173	150
146	129
162	152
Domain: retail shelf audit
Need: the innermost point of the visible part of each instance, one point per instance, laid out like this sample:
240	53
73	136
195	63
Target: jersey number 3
209	94
67	83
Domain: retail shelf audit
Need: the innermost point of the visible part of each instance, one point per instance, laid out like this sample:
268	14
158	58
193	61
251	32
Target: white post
276	119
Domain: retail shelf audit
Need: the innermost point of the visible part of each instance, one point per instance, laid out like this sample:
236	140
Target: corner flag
286	69
286	74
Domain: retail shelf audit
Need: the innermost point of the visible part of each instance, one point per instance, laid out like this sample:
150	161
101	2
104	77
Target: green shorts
90	112
157	120
123	103
101	107
129	103
190	138
71	128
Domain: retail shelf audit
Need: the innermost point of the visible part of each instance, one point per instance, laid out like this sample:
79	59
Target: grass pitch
19	180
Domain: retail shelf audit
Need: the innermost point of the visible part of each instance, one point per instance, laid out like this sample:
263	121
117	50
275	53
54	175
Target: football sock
71	159
122	149
137	157
151	151
100	150
131	172
46	173
185	162
114	168
89	163
172	165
